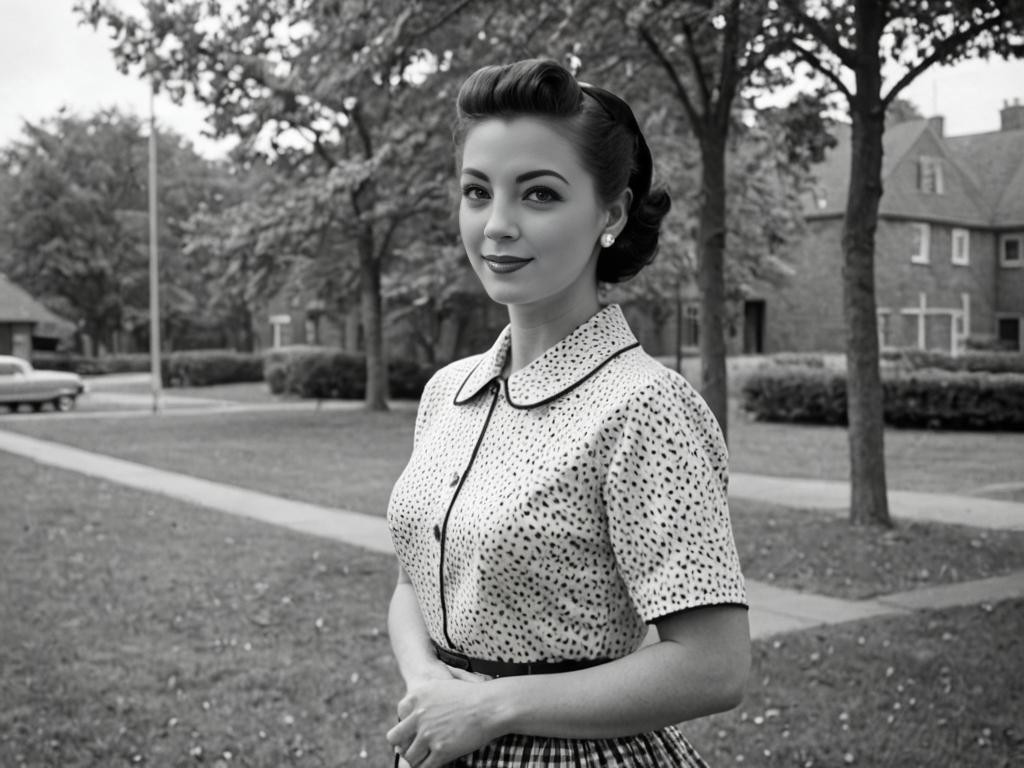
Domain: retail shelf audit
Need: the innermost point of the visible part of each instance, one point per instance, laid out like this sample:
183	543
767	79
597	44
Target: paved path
773	609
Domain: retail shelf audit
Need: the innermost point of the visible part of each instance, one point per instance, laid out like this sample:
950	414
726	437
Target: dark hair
602	127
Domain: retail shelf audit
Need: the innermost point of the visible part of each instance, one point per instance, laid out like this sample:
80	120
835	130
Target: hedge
315	372
91	366
201	368
195	368
919	359
926	398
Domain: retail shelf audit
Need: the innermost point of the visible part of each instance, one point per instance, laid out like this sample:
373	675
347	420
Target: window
920	243
961	247
1010	251
929	175
1008	333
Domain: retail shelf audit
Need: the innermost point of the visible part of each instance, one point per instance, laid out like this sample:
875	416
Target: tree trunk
711	277
868	502
372	312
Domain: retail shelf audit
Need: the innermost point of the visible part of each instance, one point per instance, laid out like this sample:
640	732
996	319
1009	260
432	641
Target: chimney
1011	116
938	124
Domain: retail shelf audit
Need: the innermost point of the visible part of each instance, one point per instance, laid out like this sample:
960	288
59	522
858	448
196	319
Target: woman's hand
444	719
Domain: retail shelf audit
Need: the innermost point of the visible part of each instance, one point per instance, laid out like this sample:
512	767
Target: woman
565	489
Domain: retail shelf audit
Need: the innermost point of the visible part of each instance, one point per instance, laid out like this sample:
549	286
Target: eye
542	195
474	192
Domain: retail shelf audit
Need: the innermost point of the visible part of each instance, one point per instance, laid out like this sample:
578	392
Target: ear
618	213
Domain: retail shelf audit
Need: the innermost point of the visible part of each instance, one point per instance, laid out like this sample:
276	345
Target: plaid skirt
665	748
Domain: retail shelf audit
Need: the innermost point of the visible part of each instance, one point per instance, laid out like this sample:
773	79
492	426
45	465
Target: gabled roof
16	306
996	162
984	176
833	175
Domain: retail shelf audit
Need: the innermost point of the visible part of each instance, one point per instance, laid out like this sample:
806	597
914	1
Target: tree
849	45
354	84
76	219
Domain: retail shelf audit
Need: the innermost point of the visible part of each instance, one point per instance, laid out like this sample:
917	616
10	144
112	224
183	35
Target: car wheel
37	407
64	403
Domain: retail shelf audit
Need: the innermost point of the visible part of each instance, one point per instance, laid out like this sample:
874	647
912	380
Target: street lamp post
154	271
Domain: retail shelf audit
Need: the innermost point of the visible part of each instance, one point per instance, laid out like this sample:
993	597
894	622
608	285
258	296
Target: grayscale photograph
549	384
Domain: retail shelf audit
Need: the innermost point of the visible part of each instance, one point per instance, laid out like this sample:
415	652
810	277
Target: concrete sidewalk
773	609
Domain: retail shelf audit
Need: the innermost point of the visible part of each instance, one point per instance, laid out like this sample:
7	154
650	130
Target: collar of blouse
560	369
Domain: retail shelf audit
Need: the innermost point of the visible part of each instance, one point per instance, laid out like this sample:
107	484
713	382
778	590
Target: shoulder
441	388
659	399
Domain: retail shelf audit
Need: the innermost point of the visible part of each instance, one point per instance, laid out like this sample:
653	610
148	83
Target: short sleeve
666	500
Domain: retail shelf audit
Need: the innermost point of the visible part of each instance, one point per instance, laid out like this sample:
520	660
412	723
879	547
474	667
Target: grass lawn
936	461
344	459
942	689
921	460
821	553
138	630
350	459
135	630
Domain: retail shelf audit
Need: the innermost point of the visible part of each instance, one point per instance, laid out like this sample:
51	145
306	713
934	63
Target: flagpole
154	271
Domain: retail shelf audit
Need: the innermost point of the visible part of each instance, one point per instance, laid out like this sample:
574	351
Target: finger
405	707
417	753
402	734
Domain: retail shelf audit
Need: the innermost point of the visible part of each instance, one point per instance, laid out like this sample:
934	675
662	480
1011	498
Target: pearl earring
607	239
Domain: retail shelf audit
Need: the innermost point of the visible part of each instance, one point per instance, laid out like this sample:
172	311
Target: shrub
204	367
276	376
316	372
91	366
971	360
407	378
796	394
327	375
806	359
927	398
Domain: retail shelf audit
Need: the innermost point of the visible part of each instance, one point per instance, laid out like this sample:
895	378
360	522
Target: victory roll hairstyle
603	129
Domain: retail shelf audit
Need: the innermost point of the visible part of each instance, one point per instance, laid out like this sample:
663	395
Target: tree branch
442	19
698	68
820	32
815	63
695	118
942	50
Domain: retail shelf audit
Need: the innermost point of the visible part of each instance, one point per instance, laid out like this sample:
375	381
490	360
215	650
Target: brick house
949	250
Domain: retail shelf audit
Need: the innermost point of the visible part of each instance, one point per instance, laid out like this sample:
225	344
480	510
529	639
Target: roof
17	306
984	176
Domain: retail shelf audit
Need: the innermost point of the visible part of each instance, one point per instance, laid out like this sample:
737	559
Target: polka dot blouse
552	516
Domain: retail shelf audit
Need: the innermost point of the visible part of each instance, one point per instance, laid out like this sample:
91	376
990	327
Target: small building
26	325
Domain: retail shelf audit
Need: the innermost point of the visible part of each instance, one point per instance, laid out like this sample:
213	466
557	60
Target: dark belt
511	668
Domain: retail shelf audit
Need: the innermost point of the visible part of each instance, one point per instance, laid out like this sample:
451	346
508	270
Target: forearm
658	685
410	640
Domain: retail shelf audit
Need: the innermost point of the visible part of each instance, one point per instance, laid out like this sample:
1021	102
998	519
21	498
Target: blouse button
454	479
437	532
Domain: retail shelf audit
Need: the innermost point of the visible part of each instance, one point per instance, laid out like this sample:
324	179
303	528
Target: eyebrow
521	177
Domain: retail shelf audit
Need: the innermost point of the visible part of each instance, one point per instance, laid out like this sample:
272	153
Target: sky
49	61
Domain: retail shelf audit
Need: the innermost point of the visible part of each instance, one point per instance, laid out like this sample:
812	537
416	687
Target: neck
536	329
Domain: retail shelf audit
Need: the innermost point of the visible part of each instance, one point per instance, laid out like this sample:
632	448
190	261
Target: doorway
753	327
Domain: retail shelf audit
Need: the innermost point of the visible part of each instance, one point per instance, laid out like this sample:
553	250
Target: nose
501	223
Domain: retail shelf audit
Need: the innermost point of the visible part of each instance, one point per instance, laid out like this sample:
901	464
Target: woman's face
530	216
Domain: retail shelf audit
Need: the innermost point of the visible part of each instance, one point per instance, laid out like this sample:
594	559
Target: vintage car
21	384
